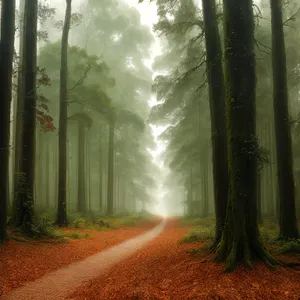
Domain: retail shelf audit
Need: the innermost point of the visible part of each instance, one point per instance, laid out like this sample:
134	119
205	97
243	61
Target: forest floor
163	269
22	262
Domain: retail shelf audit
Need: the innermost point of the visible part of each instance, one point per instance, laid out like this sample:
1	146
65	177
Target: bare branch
82	79
291	18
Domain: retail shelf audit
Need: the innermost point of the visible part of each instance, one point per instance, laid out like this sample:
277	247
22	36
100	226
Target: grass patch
198	221
78	236
292	246
198	235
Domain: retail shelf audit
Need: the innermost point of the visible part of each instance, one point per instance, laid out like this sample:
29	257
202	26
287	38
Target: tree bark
6	62
81	204
63	115
288	221
205	184
241	238
110	169
259	204
215	79
18	122
26	176
100	172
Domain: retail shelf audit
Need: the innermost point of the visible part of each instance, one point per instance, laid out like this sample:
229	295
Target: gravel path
58	284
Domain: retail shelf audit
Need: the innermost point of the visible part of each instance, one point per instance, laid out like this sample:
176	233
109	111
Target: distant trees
6	73
43	178
110	160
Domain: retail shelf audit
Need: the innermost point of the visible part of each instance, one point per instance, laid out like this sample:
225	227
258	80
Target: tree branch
82	79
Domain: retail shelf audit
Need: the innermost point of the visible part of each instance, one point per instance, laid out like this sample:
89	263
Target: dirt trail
165	271
58	284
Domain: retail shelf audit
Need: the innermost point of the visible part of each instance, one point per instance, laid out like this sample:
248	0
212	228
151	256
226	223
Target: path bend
60	283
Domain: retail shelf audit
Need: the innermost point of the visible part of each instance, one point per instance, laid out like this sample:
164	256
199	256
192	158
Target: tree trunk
190	195
100	180
48	182
288	222
110	170
240	238
25	187
258	188
81	204
63	115
205	183
6	61
18	122
217	113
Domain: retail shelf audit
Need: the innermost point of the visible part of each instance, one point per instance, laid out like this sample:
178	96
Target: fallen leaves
22	262
164	270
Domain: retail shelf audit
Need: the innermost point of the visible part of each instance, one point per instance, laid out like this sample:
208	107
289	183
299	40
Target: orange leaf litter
164	270
21	262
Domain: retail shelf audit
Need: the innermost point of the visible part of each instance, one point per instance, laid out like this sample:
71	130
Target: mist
168	124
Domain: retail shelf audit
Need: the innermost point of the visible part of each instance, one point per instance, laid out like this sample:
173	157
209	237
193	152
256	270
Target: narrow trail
58	284
164	270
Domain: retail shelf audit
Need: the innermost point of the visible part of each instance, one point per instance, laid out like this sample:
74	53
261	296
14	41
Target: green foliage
44	226
80	223
292	246
78	236
201	234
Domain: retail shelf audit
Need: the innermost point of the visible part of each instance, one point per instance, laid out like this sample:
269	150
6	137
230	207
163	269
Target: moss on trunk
241	239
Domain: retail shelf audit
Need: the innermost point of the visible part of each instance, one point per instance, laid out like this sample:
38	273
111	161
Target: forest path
164	270
58	284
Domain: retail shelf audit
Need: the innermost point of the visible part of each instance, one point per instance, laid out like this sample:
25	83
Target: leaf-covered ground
21	262
164	270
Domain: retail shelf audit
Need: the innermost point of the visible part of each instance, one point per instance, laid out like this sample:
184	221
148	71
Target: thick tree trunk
18	122
241	238
63	115
217	113
6	61
27	164
205	184
258	188
81	204
110	169
288	222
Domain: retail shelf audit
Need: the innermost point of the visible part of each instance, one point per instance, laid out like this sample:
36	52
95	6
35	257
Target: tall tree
18	113
110	168
25	188
217	112
241	238
63	115
6	62
288	221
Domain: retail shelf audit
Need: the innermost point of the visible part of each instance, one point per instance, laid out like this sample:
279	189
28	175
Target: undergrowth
203	232
44	224
198	235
